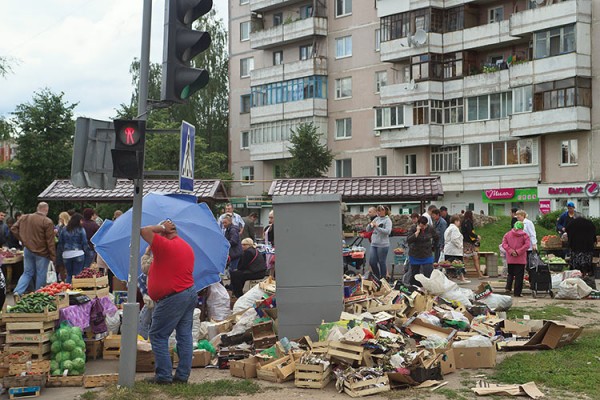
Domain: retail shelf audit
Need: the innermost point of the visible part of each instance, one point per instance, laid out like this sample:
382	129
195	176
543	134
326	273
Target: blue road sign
186	157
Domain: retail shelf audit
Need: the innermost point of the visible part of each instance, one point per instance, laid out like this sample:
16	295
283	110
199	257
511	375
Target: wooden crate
312	376
38	350
34	366
64	381
92	381
24	392
61	300
347	353
30	317
278	371
93	348
84	283
26	380
96	292
112	347
367	387
29	332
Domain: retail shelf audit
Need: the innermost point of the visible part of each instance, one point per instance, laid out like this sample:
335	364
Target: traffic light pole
131	310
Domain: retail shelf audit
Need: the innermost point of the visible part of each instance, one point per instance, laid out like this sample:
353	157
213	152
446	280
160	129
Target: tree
45	142
4	66
310	158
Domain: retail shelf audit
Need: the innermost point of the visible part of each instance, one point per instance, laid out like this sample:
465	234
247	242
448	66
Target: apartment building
495	97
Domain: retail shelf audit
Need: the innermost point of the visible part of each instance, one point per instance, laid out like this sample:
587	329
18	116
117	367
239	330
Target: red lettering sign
544	206
500	194
565	190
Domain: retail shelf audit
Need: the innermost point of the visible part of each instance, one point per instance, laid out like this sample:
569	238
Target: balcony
391	7
288	33
551	69
546	122
416	135
501	176
491	82
546	17
295	109
266	5
287	71
479	36
402	48
407	92
270	151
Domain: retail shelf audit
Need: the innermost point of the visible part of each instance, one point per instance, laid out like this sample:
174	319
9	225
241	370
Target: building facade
495	97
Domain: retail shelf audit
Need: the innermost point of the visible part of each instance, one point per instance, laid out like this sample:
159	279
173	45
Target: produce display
89	273
552	259
399	251
6	253
551	241
448	264
54	288
33	303
68	351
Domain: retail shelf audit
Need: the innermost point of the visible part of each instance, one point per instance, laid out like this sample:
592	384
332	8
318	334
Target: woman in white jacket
453	246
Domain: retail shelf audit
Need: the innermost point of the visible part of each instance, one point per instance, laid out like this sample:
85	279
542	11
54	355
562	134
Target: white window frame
247	175
246	64
275	53
545	37
386	115
381	80
245	26
505	106
378	39
572	147
309	52
344	5
244	137
475	159
381	166
341	87
341	166
445	159
493	14
343	47
454	111
343	128
522	96
410	161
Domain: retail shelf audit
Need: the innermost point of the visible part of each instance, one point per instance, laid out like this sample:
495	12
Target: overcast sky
80	47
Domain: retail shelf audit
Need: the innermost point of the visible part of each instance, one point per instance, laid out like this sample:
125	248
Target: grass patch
492	234
553	312
89	395
572	368
451	394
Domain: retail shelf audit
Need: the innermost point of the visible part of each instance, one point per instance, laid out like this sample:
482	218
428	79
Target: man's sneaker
179	381
153	380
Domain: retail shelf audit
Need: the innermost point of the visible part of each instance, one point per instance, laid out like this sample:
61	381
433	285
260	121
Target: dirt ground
587	314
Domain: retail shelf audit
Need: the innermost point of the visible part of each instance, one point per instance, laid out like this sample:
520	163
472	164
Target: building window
245	31
311	87
568	152
245	103
343	47
306	52
380	80
343	88
343	168
247	175
496	14
454	111
522	99
277	19
489	106
437	112
245	140
377	39
515	152
421	112
343	8
453	65
278	171
381	166
278	57
246	66
427	67
343	128
410	164
569	92
389	117
306	11
554	41
278	131
454	19
404	24
445	159
242	2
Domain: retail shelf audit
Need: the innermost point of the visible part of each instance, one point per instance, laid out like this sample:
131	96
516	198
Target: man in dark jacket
249	231
91	227
232	234
421	238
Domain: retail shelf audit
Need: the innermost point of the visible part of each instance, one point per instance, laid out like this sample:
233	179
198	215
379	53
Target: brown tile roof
389	188
63	190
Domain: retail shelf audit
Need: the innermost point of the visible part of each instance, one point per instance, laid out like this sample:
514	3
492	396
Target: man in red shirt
171	286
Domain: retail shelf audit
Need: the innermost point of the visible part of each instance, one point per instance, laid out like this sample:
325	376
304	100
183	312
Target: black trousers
239	278
516	272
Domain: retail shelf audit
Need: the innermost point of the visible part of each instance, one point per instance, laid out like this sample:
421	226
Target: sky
83	48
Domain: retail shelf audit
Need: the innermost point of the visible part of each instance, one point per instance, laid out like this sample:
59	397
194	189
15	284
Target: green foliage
310	158
548	221
7	130
550	312
45	141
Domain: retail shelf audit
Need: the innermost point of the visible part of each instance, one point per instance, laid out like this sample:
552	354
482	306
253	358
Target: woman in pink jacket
516	243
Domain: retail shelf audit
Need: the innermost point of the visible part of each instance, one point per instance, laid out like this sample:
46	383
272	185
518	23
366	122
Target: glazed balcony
288	33
277	150
295	109
287	71
402	48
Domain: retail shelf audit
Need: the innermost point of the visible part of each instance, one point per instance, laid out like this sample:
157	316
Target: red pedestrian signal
128	154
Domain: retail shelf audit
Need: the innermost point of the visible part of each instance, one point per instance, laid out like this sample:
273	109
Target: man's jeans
175	312
377	259
34	268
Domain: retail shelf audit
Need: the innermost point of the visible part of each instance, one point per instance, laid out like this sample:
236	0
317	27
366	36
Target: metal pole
131	309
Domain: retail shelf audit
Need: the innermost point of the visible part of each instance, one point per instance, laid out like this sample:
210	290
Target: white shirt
453	241
237	220
429	220
529	229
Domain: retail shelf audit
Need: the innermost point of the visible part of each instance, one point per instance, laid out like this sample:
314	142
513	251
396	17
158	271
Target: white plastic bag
573	289
246	321
442	257
113	322
556	280
437	283
248	299
51	274
462	295
575	273
474	341
497	302
429	318
196	326
455	316
218	302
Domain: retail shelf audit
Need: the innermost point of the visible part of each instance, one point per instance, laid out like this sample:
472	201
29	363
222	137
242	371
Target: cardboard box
424	329
201	358
448	362
475	357
245	368
553	335
522	327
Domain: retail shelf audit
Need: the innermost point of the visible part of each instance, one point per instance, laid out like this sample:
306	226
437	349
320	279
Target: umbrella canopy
195	224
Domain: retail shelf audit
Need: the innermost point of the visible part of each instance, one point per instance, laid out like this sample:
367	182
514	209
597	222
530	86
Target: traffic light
181	45
128	154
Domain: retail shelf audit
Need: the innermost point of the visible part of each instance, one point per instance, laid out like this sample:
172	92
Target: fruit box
96	282
245	368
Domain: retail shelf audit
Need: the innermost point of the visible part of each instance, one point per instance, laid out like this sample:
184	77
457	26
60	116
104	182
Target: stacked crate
92	287
31	336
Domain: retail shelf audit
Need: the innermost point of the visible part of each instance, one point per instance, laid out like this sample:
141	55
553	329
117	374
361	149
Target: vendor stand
12	262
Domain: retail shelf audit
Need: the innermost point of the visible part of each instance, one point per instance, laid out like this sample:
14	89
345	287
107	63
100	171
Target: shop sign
545	206
509	195
592	189
568	190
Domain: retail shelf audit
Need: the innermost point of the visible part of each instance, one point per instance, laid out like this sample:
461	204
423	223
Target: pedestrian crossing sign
186	157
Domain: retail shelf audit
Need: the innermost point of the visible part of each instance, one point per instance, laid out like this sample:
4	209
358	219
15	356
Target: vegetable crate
45	316
24	392
38	350
280	370
96	282
367	387
32	367
92	381
112	347
312	376
346	353
29	332
65	381
95	292
25	380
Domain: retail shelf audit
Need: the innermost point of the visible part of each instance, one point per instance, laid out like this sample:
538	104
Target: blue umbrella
195	224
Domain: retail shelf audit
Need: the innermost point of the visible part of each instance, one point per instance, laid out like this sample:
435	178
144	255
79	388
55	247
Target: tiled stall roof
389	188
63	190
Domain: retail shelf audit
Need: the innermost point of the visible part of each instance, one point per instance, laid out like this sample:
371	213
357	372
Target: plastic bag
434	342
205	345
246	321
437	283
556	280
51	274
573	289
497	302
575	273
462	295
455	316
248	299
442	257
534	260
218	302
196	325
113	322
474	341
429	318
